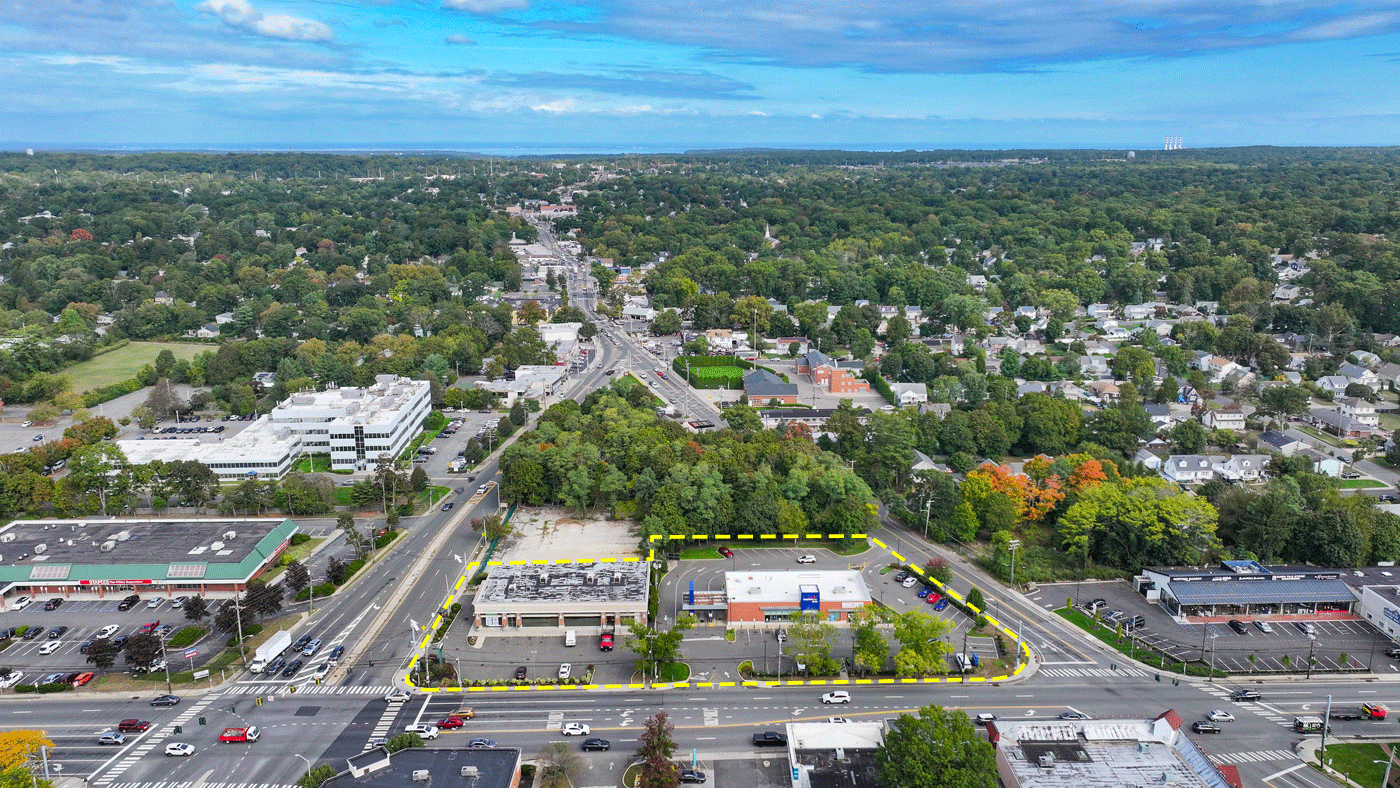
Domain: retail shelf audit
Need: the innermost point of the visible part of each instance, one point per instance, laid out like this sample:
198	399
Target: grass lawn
1128	647
123	363
1327	439
1354	760
342	497
1390	421
1357	484
316	463
297	552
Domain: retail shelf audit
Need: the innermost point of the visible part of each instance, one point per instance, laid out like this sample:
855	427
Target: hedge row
108	393
186	636
878	383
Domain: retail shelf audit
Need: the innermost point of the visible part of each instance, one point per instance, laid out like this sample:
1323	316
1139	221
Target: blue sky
672	74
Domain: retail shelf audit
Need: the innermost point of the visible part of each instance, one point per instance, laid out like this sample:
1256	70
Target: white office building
356	425
353	425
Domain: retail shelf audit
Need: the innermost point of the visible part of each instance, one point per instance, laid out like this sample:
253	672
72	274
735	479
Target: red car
149	627
726	552
933	598
605	643
450	722
133	726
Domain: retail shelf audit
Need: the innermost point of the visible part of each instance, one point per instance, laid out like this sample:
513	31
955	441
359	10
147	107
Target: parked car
50	647
1263	626
909	582
178	602
21	603
725	551
34	631
1237	625
565	669
106	632
53	604
692	776
57	632
520	673
985	717
481	744
1306	627
1073	715
11	679
806	559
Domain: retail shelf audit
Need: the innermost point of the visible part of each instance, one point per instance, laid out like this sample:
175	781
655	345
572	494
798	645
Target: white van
571	638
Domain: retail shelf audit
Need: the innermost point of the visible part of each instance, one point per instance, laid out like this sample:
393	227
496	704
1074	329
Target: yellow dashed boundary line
426	643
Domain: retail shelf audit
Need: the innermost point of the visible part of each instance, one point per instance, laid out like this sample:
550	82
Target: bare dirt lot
552	533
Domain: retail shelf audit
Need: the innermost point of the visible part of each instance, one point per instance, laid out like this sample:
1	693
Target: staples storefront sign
115	582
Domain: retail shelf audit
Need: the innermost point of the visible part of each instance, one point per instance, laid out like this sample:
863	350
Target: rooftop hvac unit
108	546
39	548
216	546
1047	760
1142	746
617	577
420	775
70	542
840	754
230	535
470	771
7	537
122	536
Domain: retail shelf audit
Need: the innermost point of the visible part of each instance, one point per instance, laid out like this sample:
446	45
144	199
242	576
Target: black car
120	641
129	602
166	700
301	643
53	604
596	744
1238	626
520	673
275	666
901	577
1245	694
34	631
292	668
1393	652
7	633
86	647
335	654
447	507
1205	726
692	776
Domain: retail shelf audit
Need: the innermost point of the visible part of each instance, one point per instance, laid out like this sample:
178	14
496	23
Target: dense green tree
937	749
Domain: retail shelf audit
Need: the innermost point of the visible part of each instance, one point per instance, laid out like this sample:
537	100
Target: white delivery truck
270	651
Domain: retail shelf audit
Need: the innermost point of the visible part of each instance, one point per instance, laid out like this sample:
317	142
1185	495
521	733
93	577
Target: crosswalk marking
1257	756
1091	672
201	785
280	689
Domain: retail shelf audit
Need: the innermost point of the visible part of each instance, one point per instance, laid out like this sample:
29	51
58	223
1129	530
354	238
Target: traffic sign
190	652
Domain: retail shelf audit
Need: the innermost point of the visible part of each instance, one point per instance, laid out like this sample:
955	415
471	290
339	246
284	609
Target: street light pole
308	766
1389	761
928	509
1012	546
1312	645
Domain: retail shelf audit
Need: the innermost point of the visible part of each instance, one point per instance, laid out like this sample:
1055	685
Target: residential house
1105	391
1389	375
1359	374
1093	366
164	298
1366	358
223	317
1188	468
906	394
1161	415
1099	311
207	331
1360	410
763	387
1286	292
940	410
1273	440
1333	384
1321	463
1242	468
783	344
1149	460
977	282
638	313
1332	420
1032	387
1228	417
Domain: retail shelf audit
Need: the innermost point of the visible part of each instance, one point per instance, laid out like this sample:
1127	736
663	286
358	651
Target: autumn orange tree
18	746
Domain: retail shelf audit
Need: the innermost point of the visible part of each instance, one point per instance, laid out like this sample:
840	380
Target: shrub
24	688
57	686
300	539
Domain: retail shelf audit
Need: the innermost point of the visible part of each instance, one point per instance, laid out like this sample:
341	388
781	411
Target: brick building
775	596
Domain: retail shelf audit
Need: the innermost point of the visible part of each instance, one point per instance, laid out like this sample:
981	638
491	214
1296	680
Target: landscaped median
1133	649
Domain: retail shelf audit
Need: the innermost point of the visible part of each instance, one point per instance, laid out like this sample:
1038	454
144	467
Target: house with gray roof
762	387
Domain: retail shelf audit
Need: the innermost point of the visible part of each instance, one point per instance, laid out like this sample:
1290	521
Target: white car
423	731
565	669
179	748
397	696
155	603
321	670
50	647
12	679
576	729
838	719
806	559
910	581
21	603
1219	715
839	696
106	632
26	424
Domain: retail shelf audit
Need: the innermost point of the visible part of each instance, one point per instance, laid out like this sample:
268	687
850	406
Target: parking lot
1285	647
84	618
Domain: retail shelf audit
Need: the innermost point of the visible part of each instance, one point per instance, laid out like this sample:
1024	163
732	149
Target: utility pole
1013	545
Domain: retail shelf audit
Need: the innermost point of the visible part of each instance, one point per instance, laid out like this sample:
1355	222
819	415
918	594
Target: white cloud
557	107
456	39
242	15
484	6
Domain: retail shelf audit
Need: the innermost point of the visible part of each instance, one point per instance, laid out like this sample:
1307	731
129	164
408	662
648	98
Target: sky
668	75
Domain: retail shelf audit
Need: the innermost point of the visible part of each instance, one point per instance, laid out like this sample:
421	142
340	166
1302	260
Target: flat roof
259	442
176	550
815	745
1102	754
572	584
349	405
1261	593
495	768
784	586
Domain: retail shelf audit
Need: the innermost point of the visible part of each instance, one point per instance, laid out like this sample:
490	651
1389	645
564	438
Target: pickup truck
770	739
249	734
